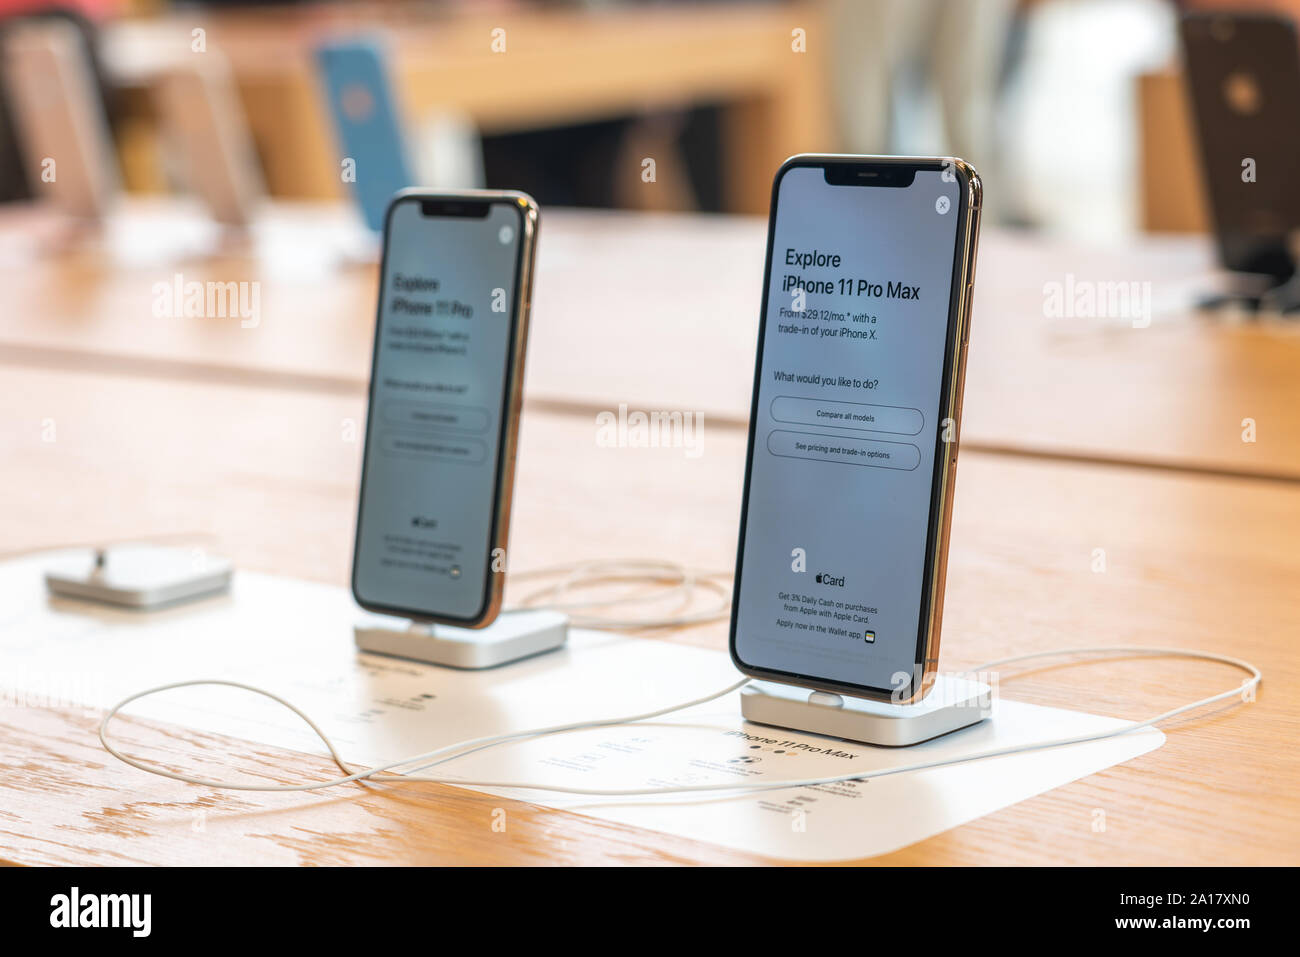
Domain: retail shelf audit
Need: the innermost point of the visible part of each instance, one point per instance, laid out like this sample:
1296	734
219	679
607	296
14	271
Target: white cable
589	574
579	575
459	747
447	753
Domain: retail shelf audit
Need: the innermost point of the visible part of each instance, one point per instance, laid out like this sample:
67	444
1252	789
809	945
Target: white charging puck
139	576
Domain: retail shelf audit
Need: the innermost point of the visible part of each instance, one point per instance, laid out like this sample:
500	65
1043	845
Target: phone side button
970	294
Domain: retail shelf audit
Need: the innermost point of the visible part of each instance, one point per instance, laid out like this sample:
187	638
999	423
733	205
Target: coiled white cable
428	759
580	575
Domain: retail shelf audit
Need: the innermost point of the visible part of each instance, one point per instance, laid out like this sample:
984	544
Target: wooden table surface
660	312
245	436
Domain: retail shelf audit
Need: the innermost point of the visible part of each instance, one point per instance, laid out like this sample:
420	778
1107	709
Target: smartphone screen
432	474
841	514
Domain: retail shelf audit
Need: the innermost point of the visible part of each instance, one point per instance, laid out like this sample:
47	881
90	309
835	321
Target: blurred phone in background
367	124
442	424
1244	81
204	120
59	117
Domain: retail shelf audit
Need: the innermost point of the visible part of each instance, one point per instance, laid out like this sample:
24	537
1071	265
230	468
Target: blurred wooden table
558	67
661	311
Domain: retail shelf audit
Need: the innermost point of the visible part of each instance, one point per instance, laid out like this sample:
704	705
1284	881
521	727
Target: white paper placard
295	638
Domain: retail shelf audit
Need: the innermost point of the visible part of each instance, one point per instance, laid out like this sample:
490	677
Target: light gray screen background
856	499
432	442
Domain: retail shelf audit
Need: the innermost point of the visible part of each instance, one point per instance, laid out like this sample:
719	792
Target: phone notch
462	208
869	174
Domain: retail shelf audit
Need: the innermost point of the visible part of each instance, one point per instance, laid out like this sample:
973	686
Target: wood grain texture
1190	561
660	312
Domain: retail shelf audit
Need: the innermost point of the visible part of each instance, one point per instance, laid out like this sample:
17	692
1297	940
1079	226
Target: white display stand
953	703
139	576
514	635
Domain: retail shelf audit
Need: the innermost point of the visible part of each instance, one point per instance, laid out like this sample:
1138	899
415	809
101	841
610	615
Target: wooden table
559	67
1191	560
660	311
119	425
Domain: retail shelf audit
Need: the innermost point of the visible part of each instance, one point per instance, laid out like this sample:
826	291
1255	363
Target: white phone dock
514	635
952	704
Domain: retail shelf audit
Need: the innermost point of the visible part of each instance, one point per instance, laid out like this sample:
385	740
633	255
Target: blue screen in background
433	435
367	124
845	429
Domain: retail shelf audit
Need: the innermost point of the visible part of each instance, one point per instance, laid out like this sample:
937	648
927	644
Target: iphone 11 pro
443	417
853	428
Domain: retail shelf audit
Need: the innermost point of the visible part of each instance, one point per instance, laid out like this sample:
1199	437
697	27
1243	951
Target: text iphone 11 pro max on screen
852	446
